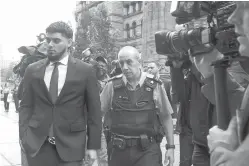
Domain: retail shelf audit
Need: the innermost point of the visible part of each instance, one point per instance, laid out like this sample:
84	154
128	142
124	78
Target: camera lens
168	42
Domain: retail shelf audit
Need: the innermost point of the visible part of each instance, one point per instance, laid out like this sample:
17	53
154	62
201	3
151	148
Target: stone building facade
137	21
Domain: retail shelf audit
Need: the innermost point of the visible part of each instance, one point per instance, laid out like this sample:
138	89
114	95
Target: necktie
53	88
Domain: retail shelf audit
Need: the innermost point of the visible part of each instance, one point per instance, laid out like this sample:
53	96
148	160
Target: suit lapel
40	74
71	72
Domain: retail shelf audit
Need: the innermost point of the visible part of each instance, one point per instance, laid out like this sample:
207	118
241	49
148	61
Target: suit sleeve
94	123
26	105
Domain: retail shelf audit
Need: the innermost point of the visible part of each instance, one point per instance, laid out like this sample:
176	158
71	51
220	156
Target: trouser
16	100
135	156
6	103
201	156
48	156
186	148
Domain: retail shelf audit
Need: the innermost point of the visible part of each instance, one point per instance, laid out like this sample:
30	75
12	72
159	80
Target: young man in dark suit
52	122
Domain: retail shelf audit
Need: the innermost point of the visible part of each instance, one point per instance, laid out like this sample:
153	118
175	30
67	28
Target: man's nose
50	44
125	66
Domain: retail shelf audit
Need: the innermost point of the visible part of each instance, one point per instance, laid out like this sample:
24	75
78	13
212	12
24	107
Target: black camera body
226	38
219	33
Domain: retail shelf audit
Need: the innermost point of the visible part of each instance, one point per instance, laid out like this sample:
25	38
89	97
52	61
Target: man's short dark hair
60	27
101	59
156	63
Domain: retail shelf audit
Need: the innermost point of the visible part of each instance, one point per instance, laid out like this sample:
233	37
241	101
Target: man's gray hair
138	55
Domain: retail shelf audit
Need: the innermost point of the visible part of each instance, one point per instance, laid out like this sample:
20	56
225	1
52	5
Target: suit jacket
68	115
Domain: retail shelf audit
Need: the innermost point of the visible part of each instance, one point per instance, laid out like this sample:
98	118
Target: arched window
140	3
127	29
134	7
134	24
127	10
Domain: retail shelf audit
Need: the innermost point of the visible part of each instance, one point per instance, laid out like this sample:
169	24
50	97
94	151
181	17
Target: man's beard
100	73
57	56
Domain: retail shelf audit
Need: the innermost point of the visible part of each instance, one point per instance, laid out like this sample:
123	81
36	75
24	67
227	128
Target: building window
127	29
134	7
141	27
127	10
140	5
134	28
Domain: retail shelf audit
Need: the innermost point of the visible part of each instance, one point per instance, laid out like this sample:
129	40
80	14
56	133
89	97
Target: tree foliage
96	31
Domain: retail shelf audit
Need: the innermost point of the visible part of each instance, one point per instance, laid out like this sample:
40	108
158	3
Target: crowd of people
74	113
9	95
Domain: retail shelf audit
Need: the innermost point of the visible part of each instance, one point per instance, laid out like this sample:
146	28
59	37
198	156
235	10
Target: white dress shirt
62	68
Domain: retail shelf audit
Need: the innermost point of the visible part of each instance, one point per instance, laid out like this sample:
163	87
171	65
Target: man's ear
140	61
70	43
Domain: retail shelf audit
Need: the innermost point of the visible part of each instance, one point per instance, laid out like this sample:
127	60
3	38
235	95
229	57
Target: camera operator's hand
229	137
203	62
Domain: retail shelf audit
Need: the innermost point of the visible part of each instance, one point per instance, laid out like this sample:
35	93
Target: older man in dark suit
52	122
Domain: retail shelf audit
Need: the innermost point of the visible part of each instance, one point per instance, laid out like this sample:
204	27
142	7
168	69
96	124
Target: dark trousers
135	156
201	156
186	148
16	100
6	104
48	156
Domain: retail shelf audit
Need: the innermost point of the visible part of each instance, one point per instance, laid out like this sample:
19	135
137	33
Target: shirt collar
63	61
141	81
158	75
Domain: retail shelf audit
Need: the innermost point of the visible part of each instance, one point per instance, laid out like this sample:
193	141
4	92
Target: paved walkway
10	154
9	141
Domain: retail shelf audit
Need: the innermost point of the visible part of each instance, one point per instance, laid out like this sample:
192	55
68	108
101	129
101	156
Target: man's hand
91	155
169	157
229	136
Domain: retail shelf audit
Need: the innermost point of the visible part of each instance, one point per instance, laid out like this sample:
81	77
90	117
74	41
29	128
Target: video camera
219	33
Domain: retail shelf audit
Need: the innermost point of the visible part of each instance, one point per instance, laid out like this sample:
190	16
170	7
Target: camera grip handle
221	96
